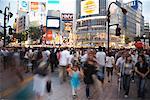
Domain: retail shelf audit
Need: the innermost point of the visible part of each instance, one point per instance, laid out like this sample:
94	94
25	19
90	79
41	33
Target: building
147	32
91	22
133	22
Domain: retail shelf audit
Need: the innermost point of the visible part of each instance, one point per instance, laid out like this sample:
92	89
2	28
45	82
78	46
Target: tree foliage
34	33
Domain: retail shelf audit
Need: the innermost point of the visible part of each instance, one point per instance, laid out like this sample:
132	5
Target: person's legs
61	74
141	87
87	90
128	78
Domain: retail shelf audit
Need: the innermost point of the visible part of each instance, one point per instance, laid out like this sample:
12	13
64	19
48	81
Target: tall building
133	22
91	22
147	29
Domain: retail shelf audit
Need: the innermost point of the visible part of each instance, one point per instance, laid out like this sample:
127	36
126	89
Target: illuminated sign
34	6
53	1
23	5
89	7
67	16
68	26
53	23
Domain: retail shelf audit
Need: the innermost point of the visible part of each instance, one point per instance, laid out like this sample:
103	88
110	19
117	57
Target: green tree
34	33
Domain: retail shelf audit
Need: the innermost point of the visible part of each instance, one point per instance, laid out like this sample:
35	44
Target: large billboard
89	7
23	5
53	22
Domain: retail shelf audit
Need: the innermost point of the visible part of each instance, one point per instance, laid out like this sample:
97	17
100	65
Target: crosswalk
63	91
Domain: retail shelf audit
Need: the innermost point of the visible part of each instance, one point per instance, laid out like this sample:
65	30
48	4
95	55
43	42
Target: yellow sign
89	7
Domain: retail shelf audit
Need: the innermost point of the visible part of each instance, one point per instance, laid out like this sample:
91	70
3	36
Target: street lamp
108	17
6	17
144	36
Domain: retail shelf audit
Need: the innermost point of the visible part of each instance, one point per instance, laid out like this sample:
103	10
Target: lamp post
6	17
108	18
144	36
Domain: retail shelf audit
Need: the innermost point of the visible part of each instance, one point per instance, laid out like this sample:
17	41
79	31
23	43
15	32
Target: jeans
141	87
126	83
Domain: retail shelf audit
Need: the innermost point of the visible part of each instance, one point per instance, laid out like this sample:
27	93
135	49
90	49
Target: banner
23	5
34	6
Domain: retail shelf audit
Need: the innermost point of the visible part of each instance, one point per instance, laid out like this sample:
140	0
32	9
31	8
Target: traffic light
118	29
10	31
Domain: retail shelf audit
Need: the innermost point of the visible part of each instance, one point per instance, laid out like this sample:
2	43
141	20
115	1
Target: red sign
34	6
49	35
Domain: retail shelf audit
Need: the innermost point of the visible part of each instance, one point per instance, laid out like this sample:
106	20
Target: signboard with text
89	7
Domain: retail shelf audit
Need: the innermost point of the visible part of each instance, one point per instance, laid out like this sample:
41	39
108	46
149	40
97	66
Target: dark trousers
126	83
87	90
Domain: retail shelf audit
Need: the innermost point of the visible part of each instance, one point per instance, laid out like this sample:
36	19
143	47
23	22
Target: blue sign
53	1
24	4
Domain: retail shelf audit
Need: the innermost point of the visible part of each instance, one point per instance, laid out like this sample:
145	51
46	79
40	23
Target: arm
141	74
147	72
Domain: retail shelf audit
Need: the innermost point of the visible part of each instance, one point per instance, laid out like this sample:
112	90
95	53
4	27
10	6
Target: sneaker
126	96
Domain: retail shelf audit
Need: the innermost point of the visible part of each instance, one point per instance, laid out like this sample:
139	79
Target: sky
68	6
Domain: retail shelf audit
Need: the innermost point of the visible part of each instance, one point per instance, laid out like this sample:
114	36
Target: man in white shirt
101	59
120	61
63	63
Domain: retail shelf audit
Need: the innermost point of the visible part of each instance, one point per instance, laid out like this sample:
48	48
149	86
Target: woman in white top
109	66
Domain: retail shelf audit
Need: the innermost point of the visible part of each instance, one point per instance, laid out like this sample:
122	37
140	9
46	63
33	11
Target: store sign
34	6
53	23
23	5
53	1
89	7
68	26
67	16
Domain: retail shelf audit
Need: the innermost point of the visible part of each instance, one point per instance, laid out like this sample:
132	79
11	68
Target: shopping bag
48	86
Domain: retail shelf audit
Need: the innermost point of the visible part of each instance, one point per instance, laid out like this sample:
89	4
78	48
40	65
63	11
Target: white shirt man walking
63	63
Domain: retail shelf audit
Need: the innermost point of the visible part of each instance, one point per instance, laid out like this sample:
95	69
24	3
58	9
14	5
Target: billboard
34	6
53	23
67	16
89	7
23	5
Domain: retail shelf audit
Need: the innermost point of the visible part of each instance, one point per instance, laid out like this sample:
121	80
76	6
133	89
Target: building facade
133	22
91	22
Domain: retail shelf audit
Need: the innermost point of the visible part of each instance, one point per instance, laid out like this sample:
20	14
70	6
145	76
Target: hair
127	58
143	58
100	48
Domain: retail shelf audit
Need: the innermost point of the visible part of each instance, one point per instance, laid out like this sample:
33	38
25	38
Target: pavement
63	91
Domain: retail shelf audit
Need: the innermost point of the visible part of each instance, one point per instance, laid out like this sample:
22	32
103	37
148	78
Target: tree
34	33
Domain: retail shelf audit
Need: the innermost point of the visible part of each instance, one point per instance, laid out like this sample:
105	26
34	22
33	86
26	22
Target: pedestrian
101	59
127	74
89	69
40	79
109	66
142	70
75	75
63	64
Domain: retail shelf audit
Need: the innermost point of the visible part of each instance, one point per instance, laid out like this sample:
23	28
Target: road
63	91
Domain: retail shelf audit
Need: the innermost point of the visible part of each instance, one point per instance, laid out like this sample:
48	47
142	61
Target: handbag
48	86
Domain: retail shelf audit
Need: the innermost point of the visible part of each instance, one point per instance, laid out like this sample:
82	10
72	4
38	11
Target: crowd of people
80	65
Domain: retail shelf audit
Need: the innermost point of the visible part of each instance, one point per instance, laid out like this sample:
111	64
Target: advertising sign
67	16
53	1
68	26
89	7
23	5
53	23
34	6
